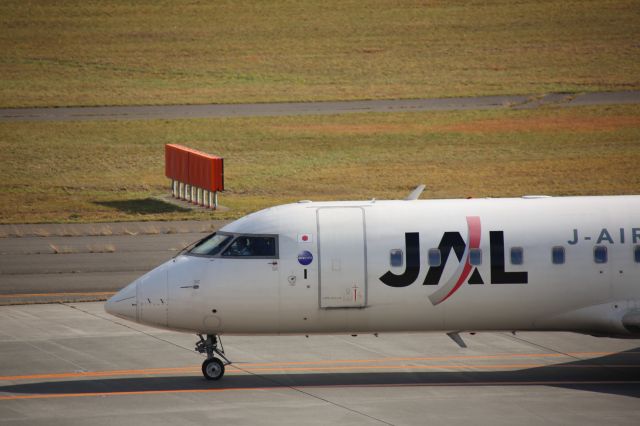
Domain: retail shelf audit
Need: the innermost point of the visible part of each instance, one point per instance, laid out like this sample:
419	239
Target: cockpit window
211	245
252	246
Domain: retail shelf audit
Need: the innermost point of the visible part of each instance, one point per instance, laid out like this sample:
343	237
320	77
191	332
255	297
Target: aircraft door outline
342	257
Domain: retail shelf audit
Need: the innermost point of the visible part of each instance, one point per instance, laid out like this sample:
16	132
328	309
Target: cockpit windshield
252	246
211	245
235	246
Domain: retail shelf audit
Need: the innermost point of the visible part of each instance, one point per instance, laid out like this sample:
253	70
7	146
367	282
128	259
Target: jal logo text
452	241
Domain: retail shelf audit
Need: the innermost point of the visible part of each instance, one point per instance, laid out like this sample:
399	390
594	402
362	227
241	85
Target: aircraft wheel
213	369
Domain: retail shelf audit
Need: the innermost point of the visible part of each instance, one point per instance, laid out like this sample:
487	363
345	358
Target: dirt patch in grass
546	124
349	129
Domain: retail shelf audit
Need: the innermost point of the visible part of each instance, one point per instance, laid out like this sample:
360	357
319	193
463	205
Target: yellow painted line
31	295
124	393
284	368
169	370
150	371
176	370
280	388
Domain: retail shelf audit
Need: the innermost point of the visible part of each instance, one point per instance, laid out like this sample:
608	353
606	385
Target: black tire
213	369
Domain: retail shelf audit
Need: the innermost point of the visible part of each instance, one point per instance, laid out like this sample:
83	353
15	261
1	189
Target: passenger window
636	254
395	257
245	246
435	258
557	255
517	255
475	256
211	245
600	254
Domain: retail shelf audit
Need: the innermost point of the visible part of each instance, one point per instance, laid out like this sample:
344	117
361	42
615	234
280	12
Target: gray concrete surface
75	365
109	229
312	108
97	244
86	261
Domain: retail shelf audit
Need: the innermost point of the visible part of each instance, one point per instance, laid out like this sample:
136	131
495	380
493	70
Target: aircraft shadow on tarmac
617	374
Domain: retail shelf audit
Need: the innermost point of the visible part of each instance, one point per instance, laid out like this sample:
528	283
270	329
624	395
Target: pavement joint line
310	395
126	326
514	337
604	366
34	346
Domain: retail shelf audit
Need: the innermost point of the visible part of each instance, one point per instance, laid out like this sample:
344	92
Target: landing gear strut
212	367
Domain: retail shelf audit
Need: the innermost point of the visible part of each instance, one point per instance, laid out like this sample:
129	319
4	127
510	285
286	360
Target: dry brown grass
87	171
89	52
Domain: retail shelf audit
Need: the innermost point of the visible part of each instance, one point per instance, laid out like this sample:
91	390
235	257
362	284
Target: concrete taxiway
68	364
71	363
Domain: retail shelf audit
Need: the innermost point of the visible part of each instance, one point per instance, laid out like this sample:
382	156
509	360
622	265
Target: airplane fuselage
531	263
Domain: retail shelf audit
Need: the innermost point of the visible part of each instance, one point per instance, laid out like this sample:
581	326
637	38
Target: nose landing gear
212	367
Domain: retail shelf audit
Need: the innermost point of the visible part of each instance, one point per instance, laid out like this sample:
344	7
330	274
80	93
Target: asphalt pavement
82	262
168	112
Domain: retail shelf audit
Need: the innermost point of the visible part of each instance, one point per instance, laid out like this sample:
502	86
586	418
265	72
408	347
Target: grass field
152	52
104	171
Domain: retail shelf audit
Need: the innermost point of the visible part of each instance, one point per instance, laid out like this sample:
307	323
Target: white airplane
530	263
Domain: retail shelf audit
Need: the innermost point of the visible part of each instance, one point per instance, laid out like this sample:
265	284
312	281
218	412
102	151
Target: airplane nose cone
124	303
